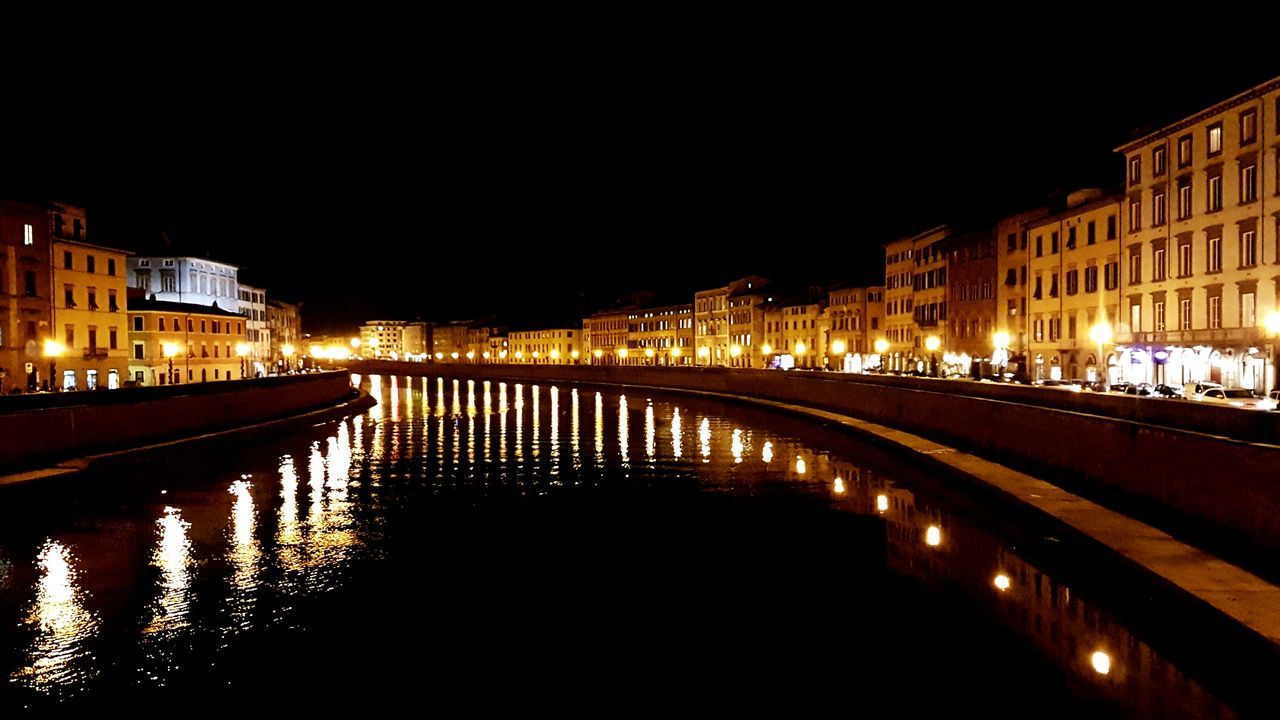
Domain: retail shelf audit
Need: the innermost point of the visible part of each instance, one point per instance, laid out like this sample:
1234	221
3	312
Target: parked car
1138	390
1193	389
1072	385
1271	402
1121	387
1166	391
1235	397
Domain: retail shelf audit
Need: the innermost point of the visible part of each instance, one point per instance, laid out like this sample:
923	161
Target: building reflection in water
58	656
704	438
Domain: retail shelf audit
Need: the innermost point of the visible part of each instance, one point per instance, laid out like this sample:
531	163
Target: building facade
25	290
554	346
930	293
1074	280
1200	250
284	331
746	322
196	281
252	304
89	319
972	279
851	324
394	339
660	336
900	326
712	322
1013	238
609	336
174	343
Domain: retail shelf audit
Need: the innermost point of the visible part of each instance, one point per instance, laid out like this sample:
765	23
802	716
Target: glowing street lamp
932	343
574	355
1101	335
453	356
519	354
439	356
597	353
242	349
555	354
622	353
800	348
766	349
355	342
648	353
881	346
735	351
676	352
704	353
53	350
838	347
170	349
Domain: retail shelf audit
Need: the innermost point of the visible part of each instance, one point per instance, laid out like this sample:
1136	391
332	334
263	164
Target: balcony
95	354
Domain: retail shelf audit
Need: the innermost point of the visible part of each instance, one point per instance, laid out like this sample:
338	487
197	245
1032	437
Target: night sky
457	176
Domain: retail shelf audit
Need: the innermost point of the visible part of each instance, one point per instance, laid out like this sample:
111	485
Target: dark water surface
508	547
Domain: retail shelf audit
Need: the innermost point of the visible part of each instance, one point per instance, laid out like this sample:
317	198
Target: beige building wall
205	338
1200	252
1074	285
900	326
555	346
609	336
666	332
1012	286
89	315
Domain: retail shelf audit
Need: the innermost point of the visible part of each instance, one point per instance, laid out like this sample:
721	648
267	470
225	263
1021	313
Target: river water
498	546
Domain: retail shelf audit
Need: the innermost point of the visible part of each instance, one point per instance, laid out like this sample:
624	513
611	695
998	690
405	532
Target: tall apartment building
1012	237
900	326
89	319
552	346
398	338
746	322
25	289
192	280
284	329
712	323
972	280
851	324
174	343
660	335
1200	250
1074	289
251	302
608	333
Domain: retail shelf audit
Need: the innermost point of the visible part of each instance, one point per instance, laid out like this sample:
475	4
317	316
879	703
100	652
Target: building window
1135	317
1073	282
1158	311
1184	259
1111	274
1135	266
1215	254
1135	169
1053	243
1248	126
1091	279
1158	264
28	235
175	325
1184	151
1135	215
1184	198
1215	312
67	260
68	296
1093	232
1214	189
1248	248
1158	209
112	304
1039	246
1248	310
1184	313
70	335
137	351
91	264
112	338
143	280
1215	139
137	323
93	298
1012	242
1053	285
29	282
1071	238
1248	183
111	266
1158	161
1036	294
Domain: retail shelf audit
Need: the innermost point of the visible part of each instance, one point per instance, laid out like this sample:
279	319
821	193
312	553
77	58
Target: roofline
1240	99
943	228
82	243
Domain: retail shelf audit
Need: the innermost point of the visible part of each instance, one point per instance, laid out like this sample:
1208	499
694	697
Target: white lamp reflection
767	454
933	536
172	557
623	438
61	622
1002	582
838	486
650	432
675	434
735	445
704	438
1101	662
882	503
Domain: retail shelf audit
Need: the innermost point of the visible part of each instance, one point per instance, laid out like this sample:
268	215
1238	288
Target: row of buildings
77	315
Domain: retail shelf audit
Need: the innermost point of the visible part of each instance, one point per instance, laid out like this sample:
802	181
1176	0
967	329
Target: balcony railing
95	353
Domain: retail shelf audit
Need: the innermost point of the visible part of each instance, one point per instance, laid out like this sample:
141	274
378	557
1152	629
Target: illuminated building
1073	277
253	306
203	341
973	265
394	339
916	300
662	330
900	327
25	291
284	328
711	319
852	321
89	317
479	341
1012	238
192	280
746	322
1200	251
793	329
449	338
608	335
554	346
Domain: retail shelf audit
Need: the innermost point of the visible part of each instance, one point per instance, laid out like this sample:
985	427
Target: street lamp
287	351
932	343
170	350
53	350
242	349
1101	335
676	353
704	353
1000	357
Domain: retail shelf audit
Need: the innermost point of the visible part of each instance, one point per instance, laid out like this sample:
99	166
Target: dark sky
421	172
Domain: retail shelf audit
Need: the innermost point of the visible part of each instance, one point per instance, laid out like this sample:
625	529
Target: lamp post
170	349
799	351
1000	357
932	343
838	349
288	351
1273	331
242	350
1101	335
53	350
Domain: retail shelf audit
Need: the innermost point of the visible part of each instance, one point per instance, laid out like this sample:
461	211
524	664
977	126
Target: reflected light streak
394	393
882	503
172	557
536	424
838	486
675	434
555	429
244	554
767	454
704	437
575	428
599	430
650	432
457	399
471	397
623	434
375	391
61	622
440	396
1101	662
933	536
736	446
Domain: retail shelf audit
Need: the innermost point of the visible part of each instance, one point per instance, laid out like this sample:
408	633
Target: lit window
28	235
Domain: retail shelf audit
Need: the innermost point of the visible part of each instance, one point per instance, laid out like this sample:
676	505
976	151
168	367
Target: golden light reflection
471	397
882	503
457	399
244	554
502	397
395	399
623	422
736	446
555	429
287	535
1001	582
61	622
800	466
704	439
375	391
488	398
838	486
933	536
675	434
650	432
575	428
172	557
440	396
519	414
599	430
767	454
536	425
1101	662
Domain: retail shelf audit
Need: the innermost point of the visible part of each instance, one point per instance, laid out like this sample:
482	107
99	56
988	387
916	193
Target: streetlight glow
838	347
735	350
766	349
675	352
1100	333
882	346
800	348
1000	339
53	348
1273	323
932	343
170	349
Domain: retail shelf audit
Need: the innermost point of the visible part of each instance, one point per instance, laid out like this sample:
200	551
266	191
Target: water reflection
675	433
63	626
173	558
704	437
650	432
623	424
244	555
